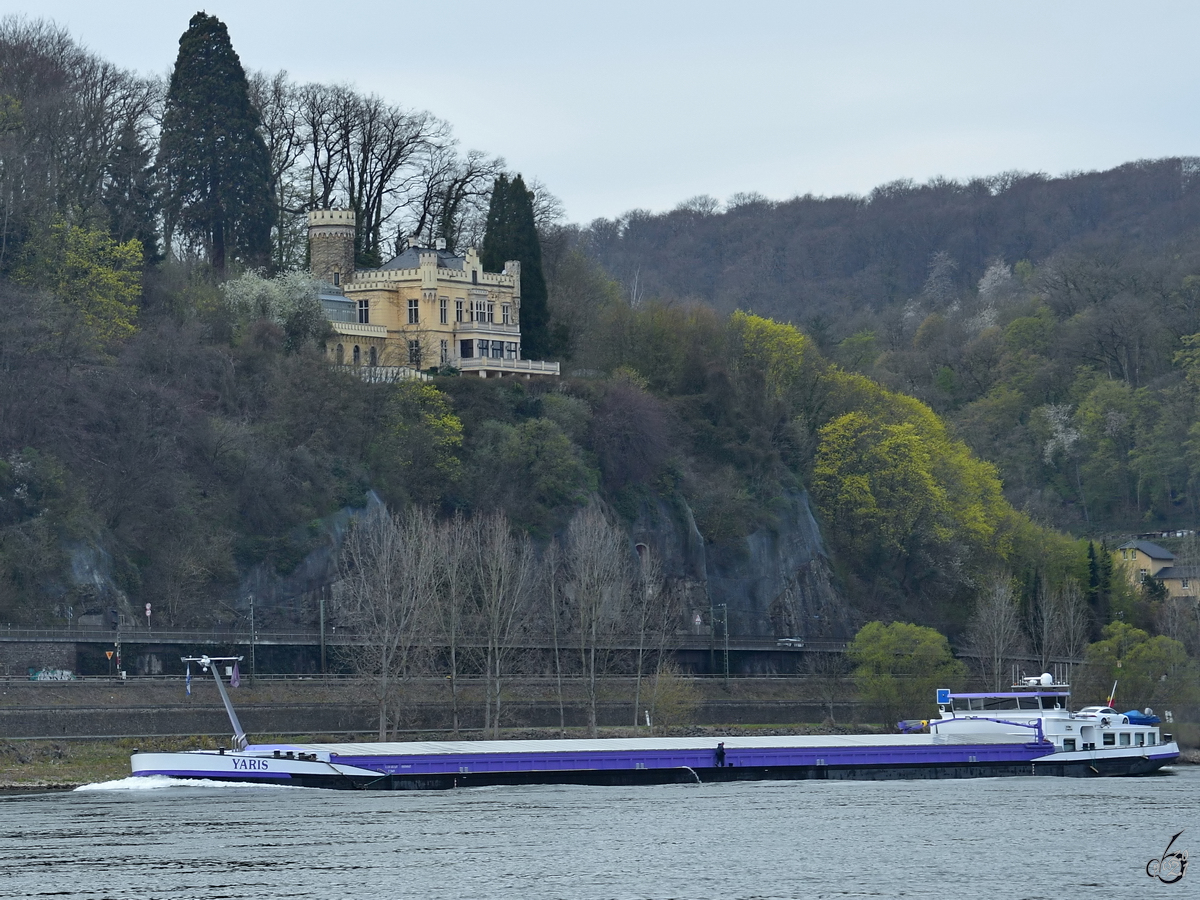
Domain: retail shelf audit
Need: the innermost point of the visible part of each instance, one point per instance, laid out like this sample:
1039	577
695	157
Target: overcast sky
642	103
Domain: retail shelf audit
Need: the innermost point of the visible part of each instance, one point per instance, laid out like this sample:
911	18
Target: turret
331	244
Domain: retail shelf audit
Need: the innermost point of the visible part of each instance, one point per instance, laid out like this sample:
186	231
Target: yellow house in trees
426	309
1144	559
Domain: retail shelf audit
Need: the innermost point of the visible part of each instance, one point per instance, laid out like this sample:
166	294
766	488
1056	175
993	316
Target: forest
978	388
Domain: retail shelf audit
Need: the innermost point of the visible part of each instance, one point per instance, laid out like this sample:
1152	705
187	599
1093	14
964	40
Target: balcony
491	367
467	329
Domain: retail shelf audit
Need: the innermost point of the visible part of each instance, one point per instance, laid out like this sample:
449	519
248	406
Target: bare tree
324	154
828	673
278	101
386	572
994	631
1043	623
647	590
596	586
505	567
552	569
455	596
1075	620
450	196
62	113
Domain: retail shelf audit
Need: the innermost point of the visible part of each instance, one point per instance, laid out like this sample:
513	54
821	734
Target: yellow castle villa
425	309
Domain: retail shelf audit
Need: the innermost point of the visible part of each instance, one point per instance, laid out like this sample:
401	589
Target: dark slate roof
1151	550
1179	572
410	259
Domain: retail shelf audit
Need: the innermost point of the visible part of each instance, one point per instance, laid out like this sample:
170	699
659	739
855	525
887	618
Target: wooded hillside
982	383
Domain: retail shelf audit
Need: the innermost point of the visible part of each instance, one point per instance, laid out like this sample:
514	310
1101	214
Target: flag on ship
188	682
235	680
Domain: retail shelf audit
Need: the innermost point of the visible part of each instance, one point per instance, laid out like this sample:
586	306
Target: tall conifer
131	194
212	159
512	234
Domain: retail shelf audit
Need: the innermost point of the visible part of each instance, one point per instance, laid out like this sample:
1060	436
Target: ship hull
443	766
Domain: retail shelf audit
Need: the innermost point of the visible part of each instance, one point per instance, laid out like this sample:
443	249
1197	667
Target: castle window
1183	583
497	349
337	278
458	310
1143	574
506	313
414	354
443	312
474	276
414	312
478	309
357	355
491	312
466	349
339	354
364	312
374	357
510	350
445	352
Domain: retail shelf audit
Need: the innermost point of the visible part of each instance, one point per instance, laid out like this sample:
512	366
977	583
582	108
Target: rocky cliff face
774	583
286	601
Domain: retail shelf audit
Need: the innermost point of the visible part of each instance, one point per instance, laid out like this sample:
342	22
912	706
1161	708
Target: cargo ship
977	736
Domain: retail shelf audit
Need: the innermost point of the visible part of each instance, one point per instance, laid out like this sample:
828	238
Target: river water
150	839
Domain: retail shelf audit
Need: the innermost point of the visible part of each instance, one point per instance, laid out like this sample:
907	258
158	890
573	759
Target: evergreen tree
512	234
1104	584
1093	591
214	163
131	194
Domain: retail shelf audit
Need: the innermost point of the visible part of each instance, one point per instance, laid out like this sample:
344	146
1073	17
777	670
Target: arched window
374	357
339	354
357	355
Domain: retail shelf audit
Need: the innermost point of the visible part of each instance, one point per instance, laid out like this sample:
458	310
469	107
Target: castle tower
331	244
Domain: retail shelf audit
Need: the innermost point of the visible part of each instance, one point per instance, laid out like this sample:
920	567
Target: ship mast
209	662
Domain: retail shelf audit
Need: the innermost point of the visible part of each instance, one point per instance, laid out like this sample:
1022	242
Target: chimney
440	244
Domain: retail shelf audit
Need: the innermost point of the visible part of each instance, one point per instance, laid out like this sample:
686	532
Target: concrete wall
334	718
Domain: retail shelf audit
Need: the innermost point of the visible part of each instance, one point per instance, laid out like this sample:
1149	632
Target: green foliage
512	234
1031	334
571	414
875	483
896	491
531	469
417	451
858	350
100	279
214	165
767	350
1150	671
898	668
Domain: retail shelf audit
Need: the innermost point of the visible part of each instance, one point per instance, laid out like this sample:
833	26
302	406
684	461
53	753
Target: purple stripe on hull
215	776
443	764
1167	756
